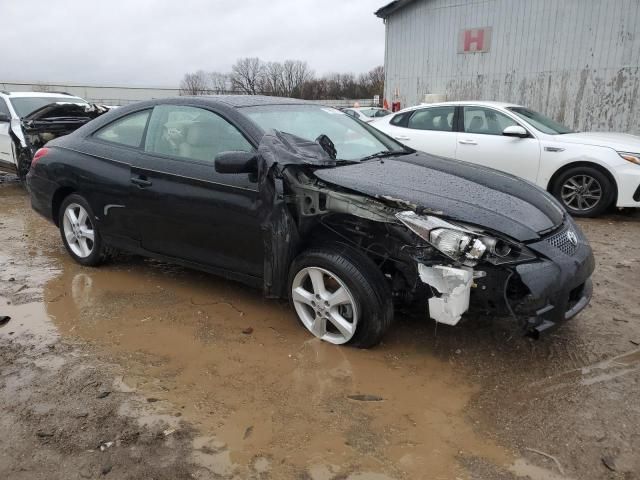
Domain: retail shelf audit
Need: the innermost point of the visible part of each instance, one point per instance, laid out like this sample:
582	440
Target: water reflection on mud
275	392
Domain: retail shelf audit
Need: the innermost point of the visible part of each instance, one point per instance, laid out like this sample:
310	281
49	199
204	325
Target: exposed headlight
462	244
457	244
630	157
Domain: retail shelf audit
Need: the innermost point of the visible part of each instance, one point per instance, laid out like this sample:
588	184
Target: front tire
79	231
584	191
340	296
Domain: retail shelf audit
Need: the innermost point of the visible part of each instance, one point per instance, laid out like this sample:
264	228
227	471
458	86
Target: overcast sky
154	42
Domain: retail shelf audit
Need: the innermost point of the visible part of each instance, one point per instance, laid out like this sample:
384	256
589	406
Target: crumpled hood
457	190
621	142
66	109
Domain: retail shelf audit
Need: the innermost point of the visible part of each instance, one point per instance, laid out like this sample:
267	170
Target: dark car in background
312	205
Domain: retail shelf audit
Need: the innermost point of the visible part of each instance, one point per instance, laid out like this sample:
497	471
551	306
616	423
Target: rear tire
584	191
79	231
353	304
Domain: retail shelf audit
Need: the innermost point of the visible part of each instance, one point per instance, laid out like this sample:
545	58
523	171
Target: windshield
26	105
540	122
352	139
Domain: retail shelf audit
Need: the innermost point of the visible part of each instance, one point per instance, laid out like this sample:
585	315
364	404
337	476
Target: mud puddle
265	400
273	396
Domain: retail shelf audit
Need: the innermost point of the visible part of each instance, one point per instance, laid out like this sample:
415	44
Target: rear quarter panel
78	167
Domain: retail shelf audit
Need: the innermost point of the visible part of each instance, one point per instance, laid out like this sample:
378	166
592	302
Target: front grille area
561	241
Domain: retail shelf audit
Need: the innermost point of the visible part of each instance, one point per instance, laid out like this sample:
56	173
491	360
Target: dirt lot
141	370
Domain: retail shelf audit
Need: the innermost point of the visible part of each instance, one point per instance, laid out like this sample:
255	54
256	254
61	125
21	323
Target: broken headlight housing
463	244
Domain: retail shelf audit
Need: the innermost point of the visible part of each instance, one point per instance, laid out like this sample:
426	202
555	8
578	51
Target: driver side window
192	133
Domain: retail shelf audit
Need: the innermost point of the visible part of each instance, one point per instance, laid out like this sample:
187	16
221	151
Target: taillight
41	152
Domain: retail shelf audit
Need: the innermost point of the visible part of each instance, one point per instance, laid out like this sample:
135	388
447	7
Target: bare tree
376	80
291	78
294	74
194	83
247	75
272	81
219	82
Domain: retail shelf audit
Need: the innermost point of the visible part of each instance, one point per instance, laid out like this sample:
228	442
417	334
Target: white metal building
104	94
575	60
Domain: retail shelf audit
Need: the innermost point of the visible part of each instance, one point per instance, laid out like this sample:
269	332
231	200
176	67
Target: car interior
432	119
194	134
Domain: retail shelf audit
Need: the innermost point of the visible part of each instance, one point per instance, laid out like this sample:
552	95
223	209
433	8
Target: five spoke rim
581	192
78	230
324	304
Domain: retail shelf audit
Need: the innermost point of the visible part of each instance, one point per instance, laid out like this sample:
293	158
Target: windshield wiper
384	153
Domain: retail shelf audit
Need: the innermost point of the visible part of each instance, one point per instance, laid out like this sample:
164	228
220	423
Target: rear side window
192	133
127	130
400	120
436	118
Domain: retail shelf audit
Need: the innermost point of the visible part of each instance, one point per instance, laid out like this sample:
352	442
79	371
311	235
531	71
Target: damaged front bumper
539	294
558	286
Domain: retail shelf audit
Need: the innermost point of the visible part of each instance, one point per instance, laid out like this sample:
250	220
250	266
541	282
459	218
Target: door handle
467	142
400	137
141	182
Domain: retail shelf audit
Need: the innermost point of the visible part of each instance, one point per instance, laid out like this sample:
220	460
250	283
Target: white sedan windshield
539	121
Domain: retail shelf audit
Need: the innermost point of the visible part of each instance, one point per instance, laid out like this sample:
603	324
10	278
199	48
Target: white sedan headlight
461	244
630	157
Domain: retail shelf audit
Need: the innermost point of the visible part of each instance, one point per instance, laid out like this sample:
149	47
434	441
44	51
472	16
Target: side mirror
515	131
4	117
236	162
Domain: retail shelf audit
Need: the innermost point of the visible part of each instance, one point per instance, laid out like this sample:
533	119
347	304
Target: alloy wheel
581	192
78	230
324	304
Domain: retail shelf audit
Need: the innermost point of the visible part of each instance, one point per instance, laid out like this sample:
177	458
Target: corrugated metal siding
575	60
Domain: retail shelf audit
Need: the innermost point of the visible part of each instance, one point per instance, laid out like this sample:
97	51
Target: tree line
291	78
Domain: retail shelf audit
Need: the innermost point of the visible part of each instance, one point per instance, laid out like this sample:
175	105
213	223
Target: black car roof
239	101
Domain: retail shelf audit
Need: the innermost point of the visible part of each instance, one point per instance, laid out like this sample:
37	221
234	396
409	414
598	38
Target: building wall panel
576	60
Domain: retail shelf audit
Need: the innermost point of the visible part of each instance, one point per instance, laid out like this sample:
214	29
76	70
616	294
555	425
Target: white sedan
587	172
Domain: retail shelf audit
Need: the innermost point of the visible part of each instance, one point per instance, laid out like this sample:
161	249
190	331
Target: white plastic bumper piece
454	286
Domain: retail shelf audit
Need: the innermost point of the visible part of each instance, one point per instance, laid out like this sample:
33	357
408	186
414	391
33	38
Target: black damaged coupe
312	205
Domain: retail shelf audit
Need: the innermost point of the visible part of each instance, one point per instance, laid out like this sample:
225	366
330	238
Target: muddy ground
140	370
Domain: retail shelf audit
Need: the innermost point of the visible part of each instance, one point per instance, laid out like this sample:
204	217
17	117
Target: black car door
103	175
185	208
